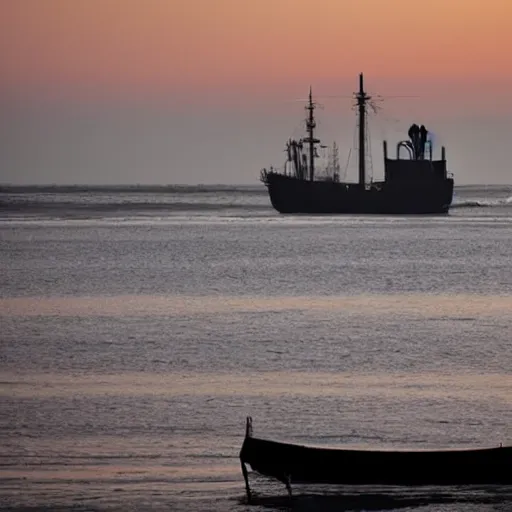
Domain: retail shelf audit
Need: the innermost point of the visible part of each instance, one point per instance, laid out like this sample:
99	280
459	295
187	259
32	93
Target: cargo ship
416	184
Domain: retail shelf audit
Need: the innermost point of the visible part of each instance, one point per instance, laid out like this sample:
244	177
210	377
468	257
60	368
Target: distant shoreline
4	188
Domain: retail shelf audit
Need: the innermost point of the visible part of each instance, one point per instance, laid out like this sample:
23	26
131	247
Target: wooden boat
291	463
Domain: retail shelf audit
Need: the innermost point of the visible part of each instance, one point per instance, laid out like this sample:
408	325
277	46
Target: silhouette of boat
415	185
291	463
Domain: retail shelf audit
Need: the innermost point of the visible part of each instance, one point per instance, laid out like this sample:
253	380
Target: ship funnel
418	136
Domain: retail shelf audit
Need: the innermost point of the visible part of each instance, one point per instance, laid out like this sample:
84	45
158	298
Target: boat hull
289	194
291	463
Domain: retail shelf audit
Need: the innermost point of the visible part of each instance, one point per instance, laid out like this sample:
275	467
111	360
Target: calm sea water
140	326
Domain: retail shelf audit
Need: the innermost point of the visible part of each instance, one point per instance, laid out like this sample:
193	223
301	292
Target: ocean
140	326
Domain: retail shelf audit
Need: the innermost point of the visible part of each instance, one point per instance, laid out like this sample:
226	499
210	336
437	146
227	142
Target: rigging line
355	137
386	123
384	112
344	177
369	148
354	146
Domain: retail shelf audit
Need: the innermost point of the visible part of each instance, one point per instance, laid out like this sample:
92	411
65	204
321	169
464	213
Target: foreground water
139	328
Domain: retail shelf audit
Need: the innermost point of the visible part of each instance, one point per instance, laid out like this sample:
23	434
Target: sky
208	91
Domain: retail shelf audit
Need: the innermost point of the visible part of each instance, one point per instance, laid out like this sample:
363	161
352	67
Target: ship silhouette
418	184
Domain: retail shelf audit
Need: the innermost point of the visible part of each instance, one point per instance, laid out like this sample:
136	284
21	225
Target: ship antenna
310	125
362	98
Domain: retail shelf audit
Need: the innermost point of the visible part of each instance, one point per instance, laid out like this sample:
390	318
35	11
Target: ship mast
310	126
362	98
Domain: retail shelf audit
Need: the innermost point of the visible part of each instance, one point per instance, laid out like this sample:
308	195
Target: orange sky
154	91
145	47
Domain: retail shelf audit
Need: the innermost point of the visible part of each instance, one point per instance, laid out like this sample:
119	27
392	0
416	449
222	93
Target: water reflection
432	306
366	499
271	384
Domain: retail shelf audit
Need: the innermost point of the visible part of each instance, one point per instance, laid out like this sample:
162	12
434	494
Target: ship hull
291	195
290	463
